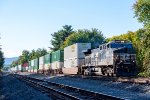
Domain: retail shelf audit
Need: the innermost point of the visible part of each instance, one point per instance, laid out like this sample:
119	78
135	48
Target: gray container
41	63
32	65
19	68
73	55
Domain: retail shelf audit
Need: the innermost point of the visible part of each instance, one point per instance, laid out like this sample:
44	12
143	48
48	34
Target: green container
57	56
23	69
47	58
36	63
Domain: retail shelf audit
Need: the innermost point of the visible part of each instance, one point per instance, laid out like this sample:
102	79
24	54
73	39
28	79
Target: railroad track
64	92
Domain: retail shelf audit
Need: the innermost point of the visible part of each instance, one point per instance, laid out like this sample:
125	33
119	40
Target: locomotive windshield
116	45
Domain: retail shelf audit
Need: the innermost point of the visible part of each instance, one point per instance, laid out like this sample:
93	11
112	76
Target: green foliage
59	37
38	53
1	60
24	57
144	74
14	63
143	49
142	11
130	36
94	36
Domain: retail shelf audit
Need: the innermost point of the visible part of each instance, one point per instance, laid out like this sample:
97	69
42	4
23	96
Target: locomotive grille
126	58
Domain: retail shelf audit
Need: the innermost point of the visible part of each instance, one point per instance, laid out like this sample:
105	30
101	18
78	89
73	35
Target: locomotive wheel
109	71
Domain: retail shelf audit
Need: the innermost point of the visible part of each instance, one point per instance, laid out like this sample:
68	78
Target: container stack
47	62
57	60
74	57
41	65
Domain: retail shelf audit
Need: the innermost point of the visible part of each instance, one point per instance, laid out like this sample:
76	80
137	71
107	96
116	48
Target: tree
143	49
14	63
24	57
142	11
59	37
32	55
94	36
38	53
2	60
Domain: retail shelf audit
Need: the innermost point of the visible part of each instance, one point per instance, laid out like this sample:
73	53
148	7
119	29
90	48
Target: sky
28	24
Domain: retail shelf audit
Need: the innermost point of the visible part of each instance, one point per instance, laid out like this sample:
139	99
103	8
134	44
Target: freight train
116	58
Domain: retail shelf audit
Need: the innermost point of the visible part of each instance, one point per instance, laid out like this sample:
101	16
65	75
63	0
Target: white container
29	68
16	68
47	66
13	69
73	55
75	50
73	63
56	65
41	63
19	67
32	65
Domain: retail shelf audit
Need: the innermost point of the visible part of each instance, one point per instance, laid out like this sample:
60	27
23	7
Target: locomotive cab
124	58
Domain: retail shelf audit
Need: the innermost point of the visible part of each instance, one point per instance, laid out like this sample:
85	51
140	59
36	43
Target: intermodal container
24	67
32	65
47	61
73	55
29	66
36	65
19	68
41	63
57	59
75	50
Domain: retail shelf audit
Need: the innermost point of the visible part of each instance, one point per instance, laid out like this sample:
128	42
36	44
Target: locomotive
116	58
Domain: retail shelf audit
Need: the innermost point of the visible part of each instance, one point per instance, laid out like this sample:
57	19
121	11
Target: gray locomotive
116	58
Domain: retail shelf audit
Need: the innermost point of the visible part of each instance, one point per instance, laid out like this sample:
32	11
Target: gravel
122	90
13	89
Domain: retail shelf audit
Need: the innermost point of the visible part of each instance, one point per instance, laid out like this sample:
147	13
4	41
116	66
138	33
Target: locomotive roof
119	41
